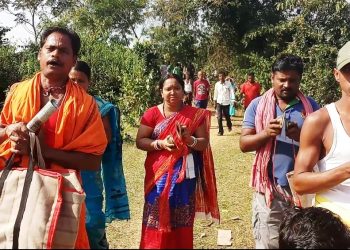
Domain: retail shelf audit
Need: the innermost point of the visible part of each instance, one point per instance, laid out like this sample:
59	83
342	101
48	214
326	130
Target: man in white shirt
223	96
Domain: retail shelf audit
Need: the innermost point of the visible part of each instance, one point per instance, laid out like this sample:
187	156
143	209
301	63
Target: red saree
171	200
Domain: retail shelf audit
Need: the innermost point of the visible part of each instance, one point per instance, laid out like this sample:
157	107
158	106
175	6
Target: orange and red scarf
161	162
265	112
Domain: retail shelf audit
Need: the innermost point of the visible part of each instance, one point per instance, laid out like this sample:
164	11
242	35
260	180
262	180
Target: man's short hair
288	62
74	38
312	228
251	74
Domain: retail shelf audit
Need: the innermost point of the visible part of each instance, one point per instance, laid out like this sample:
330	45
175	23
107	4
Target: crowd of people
287	130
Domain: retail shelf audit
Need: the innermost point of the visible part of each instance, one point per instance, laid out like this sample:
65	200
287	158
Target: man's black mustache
55	62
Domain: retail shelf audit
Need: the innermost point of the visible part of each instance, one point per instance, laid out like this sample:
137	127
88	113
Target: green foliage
3	40
16	66
152	60
118	75
256	32
120	17
236	36
320	28
8	68
177	37
29	64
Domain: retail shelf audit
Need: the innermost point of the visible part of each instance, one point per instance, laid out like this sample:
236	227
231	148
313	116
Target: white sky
19	34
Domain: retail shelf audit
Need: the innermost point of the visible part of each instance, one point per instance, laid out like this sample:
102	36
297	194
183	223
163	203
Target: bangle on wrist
194	143
156	145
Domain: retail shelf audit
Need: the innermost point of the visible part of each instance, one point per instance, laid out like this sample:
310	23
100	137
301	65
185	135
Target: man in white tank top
325	141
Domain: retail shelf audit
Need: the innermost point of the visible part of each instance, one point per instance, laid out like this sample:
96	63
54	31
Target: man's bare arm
311	143
250	140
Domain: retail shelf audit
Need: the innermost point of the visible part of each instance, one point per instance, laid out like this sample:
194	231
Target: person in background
232	105
73	137
177	69
190	68
163	70
188	89
110	178
180	179
271	127
250	90
201	88
325	142
170	68
224	96
312	228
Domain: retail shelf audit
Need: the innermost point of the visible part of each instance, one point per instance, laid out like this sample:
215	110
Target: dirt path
232	173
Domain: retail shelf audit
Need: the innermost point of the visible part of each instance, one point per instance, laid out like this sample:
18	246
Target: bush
119	76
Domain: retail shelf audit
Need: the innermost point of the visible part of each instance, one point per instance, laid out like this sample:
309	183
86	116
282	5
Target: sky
18	34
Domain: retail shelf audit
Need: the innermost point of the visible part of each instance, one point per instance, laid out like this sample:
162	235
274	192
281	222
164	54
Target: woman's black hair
169	76
83	67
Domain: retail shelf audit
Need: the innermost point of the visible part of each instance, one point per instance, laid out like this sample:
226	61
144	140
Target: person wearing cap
325	142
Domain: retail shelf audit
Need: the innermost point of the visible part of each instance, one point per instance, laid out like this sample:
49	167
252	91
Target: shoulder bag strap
25	192
6	171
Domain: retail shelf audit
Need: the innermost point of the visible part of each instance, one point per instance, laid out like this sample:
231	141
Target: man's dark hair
312	228
288	62
83	67
74	38
168	76
251	74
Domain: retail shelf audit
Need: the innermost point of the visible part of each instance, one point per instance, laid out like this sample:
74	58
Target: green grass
234	194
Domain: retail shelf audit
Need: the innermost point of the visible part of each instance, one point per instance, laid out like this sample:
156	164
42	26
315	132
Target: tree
176	35
34	13
319	29
235	36
3	31
121	17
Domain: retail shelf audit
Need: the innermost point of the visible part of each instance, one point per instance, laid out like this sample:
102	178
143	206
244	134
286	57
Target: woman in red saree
180	180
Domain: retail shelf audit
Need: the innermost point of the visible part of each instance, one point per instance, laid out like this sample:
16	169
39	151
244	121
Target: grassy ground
232	173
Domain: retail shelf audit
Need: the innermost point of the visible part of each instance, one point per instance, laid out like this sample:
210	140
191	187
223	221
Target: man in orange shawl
74	136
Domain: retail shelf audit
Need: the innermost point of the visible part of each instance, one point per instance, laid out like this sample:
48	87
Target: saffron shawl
79	126
160	162
264	114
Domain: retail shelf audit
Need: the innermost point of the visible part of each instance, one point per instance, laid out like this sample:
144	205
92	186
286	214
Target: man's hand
293	131
274	128
19	137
